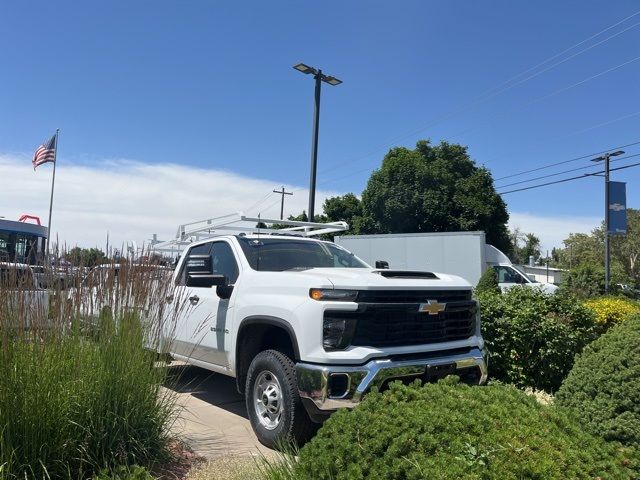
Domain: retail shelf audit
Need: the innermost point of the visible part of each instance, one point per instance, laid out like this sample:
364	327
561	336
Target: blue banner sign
617	208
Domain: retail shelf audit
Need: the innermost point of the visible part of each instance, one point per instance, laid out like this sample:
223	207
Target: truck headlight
337	332
330	294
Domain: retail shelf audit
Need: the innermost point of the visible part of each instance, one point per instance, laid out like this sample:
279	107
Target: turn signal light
329	294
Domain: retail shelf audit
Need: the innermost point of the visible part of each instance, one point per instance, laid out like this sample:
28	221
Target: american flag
45	153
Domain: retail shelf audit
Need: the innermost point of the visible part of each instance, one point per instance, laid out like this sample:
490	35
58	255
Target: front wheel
273	403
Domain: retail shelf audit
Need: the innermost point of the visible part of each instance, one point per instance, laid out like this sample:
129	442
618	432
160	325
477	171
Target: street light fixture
319	77
607	268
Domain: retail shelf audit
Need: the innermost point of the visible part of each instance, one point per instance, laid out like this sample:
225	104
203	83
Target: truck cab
510	275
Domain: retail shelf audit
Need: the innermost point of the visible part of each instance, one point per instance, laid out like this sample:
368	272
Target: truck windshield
279	254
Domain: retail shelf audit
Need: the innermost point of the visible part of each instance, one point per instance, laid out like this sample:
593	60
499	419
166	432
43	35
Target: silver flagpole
53	182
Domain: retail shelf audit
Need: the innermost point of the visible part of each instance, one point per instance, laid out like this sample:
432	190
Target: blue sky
209	85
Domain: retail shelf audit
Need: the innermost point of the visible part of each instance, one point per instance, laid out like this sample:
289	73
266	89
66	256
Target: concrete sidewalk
212	416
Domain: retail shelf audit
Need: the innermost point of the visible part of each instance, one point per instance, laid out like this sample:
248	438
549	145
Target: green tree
523	246
582	248
86	257
433	189
588	249
346	208
626	249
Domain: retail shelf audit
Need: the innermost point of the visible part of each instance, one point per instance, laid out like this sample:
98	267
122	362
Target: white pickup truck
306	327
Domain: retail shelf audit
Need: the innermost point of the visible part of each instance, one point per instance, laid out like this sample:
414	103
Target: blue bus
22	242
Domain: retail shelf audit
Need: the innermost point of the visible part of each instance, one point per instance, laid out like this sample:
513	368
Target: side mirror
382	265
205	280
224	291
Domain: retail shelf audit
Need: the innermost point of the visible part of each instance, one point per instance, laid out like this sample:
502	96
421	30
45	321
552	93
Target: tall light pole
319	77
607	254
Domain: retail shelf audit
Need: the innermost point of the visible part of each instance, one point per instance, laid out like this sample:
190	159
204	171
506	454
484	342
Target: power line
564	89
567	161
269	206
337	179
255	205
544	184
586	175
552	94
504	86
603	124
563	172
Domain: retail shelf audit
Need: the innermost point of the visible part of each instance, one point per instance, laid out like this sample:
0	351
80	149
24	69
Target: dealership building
21	242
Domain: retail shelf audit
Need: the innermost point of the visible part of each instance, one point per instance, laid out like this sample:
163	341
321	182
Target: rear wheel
273	403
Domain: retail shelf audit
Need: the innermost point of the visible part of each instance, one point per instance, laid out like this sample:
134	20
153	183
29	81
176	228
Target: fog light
337	333
338	385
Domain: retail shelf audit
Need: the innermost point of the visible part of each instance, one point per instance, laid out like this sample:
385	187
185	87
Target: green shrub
533	337
136	472
610	311
75	400
488	282
604	385
448	431
587	280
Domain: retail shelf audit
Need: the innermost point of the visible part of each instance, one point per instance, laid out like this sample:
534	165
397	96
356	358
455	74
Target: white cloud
552	230
132	200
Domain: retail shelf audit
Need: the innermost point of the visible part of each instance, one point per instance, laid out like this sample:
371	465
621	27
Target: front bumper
325	388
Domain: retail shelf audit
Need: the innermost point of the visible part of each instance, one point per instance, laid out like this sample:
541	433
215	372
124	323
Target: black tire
294	424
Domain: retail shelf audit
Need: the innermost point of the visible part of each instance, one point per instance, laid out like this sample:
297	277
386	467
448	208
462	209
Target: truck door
203	332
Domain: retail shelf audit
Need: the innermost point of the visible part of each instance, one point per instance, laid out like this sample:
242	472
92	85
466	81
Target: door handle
194	299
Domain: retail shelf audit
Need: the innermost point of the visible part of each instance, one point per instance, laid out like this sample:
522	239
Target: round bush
533	337
488	282
610	311
604	385
453	431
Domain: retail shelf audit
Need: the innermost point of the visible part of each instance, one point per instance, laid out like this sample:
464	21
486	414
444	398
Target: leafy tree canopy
87	257
583	249
432	188
523	246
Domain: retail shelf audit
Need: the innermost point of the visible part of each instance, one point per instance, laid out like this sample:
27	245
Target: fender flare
262	320
273	321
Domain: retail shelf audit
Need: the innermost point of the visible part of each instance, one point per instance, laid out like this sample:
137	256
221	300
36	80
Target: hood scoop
407	274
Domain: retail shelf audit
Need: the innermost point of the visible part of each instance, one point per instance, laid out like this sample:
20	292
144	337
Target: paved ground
213	417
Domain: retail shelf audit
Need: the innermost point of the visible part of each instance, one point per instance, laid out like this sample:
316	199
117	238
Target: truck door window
223	261
508	275
203	249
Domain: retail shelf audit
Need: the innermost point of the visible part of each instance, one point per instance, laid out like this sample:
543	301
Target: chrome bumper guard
314	381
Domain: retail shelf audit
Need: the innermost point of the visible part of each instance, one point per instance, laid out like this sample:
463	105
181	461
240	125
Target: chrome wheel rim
267	399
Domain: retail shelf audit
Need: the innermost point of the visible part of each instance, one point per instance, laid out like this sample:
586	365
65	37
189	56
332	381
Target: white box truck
465	254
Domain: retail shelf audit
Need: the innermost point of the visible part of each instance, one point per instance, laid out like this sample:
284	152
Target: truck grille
392	319
412	296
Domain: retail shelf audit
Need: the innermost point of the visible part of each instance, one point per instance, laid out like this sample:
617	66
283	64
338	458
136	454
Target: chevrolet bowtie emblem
432	307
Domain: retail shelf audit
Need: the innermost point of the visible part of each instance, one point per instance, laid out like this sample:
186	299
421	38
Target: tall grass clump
80	385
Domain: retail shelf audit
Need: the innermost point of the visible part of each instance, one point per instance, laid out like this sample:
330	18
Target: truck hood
365	278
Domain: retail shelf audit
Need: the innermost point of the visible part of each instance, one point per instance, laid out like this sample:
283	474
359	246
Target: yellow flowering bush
610	311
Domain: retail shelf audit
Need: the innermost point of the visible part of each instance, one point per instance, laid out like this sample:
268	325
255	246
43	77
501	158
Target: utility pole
283	193
607	237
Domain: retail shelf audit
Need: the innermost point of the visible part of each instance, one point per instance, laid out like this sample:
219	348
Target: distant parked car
627	290
26	302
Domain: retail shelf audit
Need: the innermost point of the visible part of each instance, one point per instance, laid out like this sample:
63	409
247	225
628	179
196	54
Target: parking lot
212	417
